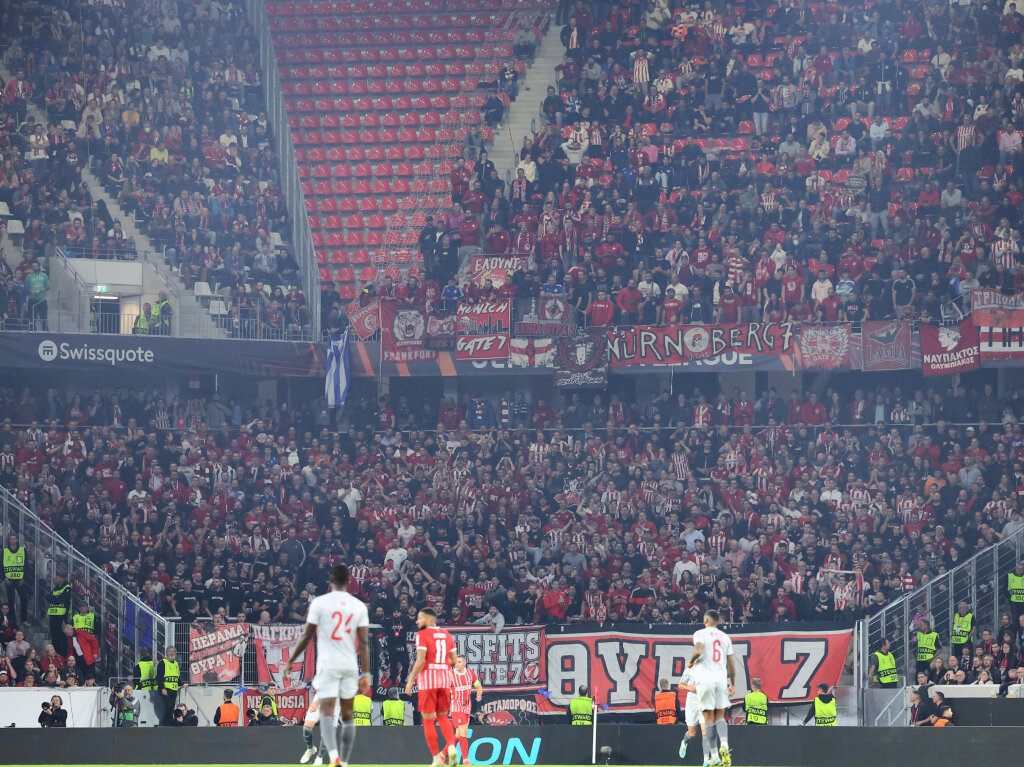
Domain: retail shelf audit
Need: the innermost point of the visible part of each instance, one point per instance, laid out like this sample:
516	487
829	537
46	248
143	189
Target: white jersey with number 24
337	615
712	666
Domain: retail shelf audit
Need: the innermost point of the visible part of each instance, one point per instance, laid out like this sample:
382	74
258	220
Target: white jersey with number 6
712	666
337	615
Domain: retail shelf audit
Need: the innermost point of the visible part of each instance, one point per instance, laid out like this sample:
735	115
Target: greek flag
336	386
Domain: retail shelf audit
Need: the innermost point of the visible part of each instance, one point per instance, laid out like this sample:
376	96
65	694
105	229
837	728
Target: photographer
184	717
126	707
265	718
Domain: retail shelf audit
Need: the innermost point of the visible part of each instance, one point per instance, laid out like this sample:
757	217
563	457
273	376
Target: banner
582	360
365	319
402	332
508	263
679	345
1001	343
885	346
512	660
992	309
947	349
504	708
623	669
482	331
291	705
440	332
824	346
544	316
532	352
273	643
215	652
160	354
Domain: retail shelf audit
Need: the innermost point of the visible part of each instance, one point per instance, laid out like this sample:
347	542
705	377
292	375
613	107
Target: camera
250	713
46	706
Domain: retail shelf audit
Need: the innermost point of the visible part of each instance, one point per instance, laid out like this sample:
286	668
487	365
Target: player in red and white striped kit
435	656
464	681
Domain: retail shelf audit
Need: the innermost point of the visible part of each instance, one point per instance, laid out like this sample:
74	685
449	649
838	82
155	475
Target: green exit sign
101	288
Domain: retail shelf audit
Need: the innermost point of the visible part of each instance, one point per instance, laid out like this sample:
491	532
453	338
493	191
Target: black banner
67	351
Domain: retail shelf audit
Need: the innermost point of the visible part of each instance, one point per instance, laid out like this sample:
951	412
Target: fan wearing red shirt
435	656
670	308
464	682
601	312
729	306
792	287
830	306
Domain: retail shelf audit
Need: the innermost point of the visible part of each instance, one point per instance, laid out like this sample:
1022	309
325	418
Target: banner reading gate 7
510	661
623	669
687	343
482	331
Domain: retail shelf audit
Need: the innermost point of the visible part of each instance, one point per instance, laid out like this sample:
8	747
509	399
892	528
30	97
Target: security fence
124	625
980	582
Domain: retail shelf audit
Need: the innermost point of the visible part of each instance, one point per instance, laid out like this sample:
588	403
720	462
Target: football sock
346	738
447	730
330	737
307	736
687	738
431	735
723	732
709	744
464	747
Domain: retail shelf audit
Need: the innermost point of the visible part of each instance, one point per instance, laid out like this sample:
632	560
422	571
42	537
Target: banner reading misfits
885	346
582	360
273	644
483	331
215	652
623	669
1001	343
678	345
291	705
402	332
992	309
365	319
512	660
949	349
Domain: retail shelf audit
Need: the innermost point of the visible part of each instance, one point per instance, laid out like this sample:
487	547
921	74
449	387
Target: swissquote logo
50	351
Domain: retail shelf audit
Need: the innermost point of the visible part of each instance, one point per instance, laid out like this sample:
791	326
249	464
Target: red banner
215	652
949	349
885	346
291	705
623	669
364	319
678	345
483	331
1001	343
273	644
992	309
824	346
403	329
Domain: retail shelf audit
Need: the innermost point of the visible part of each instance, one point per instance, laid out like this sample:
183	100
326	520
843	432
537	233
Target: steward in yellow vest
962	635
1015	591
362	708
581	708
755	704
393	710
927	646
15	559
60	607
823	709
883	667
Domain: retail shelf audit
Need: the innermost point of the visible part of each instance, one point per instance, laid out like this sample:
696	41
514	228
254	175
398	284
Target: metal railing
291	184
979	582
125	626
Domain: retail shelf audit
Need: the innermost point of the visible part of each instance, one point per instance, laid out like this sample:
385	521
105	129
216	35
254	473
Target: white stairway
524	112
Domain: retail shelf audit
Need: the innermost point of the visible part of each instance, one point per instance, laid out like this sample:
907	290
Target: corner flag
336	385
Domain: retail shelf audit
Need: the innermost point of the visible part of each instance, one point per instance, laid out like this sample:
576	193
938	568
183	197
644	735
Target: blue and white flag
336	386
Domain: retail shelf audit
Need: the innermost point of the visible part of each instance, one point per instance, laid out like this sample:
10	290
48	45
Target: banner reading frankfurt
273	643
623	669
949	349
403	329
215	652
885	346
678	345
482	331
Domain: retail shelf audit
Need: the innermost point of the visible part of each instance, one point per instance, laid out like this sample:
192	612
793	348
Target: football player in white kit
309	721
692	714
714	673
341	624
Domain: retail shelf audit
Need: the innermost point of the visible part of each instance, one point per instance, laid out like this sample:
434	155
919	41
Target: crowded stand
803	162
170	119
776	507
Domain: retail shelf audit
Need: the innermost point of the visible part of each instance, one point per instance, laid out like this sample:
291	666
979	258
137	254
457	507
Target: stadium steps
524	113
